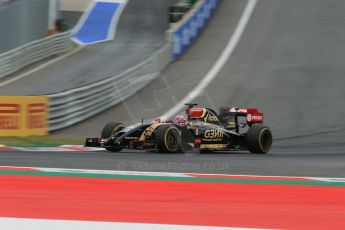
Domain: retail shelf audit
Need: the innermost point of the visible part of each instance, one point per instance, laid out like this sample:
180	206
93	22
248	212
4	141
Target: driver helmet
180	119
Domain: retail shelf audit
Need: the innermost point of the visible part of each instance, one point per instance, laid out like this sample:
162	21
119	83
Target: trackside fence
72	106
15	59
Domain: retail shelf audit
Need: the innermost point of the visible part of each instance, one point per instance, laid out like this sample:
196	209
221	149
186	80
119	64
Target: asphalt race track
289	63
276	163
140	32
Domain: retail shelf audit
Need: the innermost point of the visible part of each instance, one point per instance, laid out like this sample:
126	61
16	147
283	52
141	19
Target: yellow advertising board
23	115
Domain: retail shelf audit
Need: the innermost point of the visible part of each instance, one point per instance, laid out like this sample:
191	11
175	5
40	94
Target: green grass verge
40	141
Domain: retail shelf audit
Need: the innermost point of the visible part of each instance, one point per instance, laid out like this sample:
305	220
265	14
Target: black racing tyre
108	130
168	139
259	139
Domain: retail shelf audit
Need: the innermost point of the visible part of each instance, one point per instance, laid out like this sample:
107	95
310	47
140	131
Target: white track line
165	174
34	224
218	64
44	65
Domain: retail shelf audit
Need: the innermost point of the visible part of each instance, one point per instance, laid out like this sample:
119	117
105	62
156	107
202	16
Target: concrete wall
74	5
22	21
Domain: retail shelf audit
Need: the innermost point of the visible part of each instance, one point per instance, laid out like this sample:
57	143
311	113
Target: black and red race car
200	129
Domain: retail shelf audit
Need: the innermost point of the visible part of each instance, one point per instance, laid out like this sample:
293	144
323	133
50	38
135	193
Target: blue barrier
99	22
190	29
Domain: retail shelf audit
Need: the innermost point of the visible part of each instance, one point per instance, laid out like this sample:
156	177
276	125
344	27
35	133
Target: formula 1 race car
200	129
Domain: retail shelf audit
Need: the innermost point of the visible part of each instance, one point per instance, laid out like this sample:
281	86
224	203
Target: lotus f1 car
200	129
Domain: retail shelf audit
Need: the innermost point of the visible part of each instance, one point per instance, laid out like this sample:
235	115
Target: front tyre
110	129
259	139
168	139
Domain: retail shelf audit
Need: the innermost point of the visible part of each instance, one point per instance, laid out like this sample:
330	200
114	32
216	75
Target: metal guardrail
75	105
32	52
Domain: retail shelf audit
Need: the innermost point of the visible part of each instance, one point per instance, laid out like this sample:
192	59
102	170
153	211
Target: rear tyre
110	129
168	139
259	139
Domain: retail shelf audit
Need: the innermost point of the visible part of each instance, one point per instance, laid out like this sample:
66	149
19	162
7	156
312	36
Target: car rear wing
252	114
